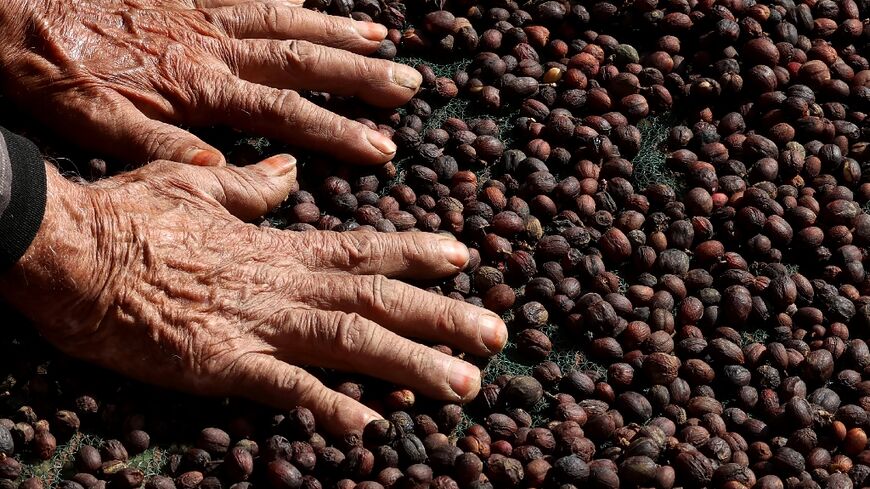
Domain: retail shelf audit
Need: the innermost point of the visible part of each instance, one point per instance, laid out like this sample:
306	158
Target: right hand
117	75
154	274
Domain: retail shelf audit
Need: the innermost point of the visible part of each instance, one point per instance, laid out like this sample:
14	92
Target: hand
115	75
153	274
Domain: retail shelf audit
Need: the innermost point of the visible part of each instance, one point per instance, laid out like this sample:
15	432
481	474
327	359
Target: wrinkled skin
154	274
116	75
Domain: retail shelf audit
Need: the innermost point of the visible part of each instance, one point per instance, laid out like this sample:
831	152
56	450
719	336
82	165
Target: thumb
251	191
109	123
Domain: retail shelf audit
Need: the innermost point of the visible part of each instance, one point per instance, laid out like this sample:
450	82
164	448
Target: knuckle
334	28
338	129
447	312
376	294
416	359
167	168
358	251
346	129
370	69
220	186
271	18
288	104
304	388
177	180
418	244
152	141
272	241
226	20
191	87
174	62
229	53
292	17
314	122
350	252
333	408
301	56
289	381
329	127
352	334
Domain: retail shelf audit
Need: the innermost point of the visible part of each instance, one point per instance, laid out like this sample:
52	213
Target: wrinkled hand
114	75
153	274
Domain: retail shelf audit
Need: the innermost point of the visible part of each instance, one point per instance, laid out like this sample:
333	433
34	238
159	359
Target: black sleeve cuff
21	219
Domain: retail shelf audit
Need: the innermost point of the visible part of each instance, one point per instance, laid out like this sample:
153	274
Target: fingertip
455	252
493	333
370	30
381	143
370	416
353	416
280	165
464	380
407	77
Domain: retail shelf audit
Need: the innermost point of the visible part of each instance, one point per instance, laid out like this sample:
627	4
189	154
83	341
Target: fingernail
370	30
381	142
203	157
464	379
493	333
369	417
280	165
407	77
455	252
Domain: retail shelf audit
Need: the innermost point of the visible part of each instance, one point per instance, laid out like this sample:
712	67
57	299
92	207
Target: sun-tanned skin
110	74
156	274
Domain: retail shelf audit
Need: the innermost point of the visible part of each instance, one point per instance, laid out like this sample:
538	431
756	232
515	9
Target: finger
257	20
284	114
353	343
408	311
245	192
302	65
224	3
270	381
408	255
250	192
110	123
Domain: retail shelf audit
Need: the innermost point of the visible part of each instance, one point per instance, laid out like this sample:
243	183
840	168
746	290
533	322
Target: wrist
49	278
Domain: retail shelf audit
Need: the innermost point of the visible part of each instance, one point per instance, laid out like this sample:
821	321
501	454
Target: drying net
649	167
567	353
649	164
60	466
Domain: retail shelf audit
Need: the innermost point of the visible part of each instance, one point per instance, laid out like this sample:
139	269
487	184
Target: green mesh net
649	167
567	353
461	107
60	466
458	106
649	164
757	336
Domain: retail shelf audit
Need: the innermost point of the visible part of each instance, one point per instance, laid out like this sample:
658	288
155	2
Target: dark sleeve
22	196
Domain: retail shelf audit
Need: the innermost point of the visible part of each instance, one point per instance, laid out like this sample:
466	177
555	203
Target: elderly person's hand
115	75
155	275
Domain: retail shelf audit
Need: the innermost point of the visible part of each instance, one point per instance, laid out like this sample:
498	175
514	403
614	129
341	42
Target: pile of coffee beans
729	309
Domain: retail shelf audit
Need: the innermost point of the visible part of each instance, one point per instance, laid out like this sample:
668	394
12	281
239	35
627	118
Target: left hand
116	75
